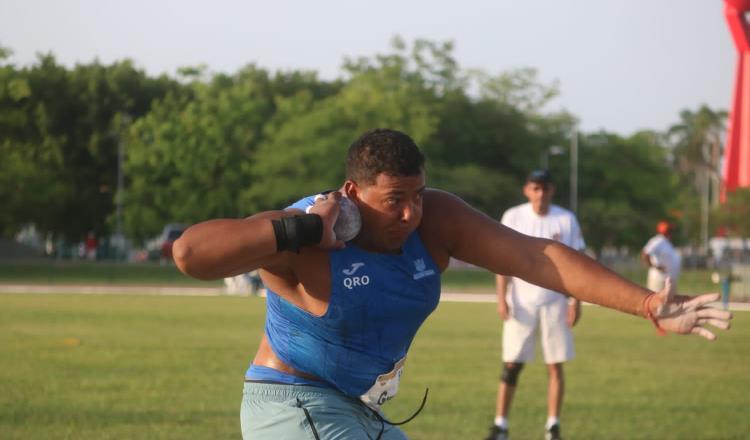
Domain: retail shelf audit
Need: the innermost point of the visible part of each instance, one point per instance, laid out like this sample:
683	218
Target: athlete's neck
371	246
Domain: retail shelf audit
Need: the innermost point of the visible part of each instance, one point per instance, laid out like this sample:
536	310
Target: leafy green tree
190	157
306	146
697	143
5	53
517	88
625	187
495	134
205	145
485	188
734	215
28	150
56	126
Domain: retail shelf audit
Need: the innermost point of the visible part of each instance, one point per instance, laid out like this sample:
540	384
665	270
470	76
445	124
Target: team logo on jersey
351	281
419	265
355	267
421	268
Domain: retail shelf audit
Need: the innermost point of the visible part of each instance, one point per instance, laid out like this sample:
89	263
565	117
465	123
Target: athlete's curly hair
382	150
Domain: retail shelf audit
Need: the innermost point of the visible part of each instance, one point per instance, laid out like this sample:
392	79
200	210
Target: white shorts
520	330
656	279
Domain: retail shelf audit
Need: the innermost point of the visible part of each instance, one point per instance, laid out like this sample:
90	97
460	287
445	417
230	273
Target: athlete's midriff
265	357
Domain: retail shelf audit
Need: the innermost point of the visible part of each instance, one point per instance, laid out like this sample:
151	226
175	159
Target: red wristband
650	316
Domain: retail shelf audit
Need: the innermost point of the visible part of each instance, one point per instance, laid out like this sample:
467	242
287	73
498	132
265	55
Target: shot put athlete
341	316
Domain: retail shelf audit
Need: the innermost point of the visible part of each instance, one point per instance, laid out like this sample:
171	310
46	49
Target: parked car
161	247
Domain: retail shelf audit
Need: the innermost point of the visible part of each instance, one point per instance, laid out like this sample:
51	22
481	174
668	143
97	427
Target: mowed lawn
88	272
153	274
151	367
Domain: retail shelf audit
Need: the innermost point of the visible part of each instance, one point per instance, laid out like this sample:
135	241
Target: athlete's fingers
322	198
713	312
702	300
700	331
326	205
718	323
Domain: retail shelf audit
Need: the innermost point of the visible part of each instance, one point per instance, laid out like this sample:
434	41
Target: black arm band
296	231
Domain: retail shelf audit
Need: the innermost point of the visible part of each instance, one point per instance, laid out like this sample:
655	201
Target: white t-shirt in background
560	225
662	253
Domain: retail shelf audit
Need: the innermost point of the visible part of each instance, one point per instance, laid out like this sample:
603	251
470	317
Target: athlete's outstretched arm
473	237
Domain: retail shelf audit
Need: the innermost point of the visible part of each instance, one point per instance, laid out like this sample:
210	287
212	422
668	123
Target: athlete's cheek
417	212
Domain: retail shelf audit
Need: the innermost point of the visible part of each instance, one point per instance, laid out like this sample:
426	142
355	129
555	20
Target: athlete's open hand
327	207
688	314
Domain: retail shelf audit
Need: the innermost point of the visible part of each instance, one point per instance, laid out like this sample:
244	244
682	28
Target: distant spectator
91	245
661	257
530	312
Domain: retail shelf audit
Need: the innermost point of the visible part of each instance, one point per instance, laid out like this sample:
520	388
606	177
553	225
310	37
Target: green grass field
85	272
454	280
151	367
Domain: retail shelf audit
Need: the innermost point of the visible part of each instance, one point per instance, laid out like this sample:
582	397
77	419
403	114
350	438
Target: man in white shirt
526	308
661	257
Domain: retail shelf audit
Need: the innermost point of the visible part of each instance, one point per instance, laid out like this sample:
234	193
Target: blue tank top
377	304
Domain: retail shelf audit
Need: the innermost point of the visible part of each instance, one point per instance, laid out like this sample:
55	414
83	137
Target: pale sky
622	66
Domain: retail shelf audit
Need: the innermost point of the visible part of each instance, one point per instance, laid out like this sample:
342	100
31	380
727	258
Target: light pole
120	187
574	170
556	150
553	150
119	237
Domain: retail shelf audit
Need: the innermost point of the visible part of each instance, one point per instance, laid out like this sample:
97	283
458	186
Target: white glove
686	314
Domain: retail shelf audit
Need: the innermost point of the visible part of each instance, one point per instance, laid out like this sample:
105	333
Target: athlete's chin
395	239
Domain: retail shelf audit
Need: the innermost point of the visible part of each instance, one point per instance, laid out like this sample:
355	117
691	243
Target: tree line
200	145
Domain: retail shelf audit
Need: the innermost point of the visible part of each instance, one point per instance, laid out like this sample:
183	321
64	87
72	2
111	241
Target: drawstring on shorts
383	420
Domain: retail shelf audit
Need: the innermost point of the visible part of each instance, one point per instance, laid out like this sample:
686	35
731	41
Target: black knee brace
510	374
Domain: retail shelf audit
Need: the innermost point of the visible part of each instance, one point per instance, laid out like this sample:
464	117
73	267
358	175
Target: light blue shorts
298	412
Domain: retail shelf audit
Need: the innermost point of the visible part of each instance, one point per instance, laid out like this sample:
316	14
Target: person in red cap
661	257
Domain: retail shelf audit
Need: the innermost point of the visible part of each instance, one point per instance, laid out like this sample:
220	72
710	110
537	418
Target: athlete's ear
351	190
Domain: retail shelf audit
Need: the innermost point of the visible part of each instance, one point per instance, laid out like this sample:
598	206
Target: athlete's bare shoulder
452	228
442	209
442	216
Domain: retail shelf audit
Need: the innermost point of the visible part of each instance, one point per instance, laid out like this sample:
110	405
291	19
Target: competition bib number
385	387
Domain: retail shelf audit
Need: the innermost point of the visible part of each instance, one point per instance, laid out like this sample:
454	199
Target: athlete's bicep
469	235
498	248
